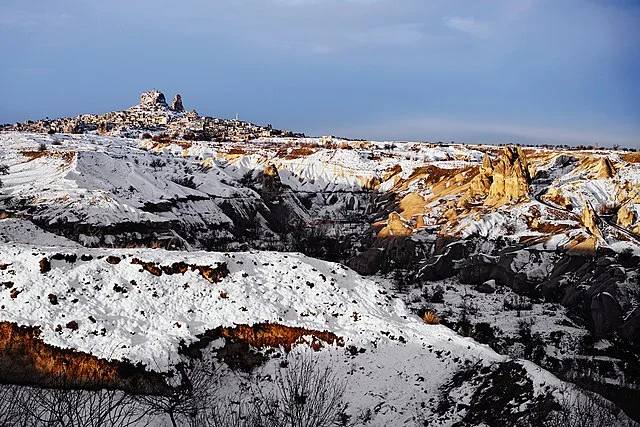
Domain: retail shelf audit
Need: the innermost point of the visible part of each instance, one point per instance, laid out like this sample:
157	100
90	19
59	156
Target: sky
493	71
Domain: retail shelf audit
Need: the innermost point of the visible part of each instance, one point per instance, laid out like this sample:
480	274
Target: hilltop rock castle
153	114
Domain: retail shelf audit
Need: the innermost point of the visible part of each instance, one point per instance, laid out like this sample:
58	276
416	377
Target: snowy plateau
423	284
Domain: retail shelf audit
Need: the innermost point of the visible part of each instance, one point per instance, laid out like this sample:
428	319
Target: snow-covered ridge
124	312
146	316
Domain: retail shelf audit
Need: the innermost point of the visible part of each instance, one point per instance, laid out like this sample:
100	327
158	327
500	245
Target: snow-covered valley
426	276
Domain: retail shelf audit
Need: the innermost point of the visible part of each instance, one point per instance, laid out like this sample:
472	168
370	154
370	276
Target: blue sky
529	71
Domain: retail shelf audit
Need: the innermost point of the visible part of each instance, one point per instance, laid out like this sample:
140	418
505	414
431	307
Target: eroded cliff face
589	220
25	359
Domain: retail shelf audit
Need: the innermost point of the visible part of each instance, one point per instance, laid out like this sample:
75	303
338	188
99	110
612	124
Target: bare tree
26	406
11	408
62	407
305	394
191	402
579	410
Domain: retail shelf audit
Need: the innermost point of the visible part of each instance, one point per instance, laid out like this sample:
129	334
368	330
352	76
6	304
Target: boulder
487	287
630	329
396	226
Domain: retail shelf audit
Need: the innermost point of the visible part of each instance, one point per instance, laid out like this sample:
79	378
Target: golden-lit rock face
628	219
396	226
582	247
511	178
589	221
27	359
606	169
480	184
411	205
555	196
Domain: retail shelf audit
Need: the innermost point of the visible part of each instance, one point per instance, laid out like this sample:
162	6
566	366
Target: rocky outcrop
557	197
480	185
511	178
589	220
74	126
176	104
628	218
396	226
479	269
153	100
26	359
368	262
606	169
446	264
271	184
630	329
606	314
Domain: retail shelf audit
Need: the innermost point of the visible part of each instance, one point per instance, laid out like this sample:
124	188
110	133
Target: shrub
186	181
157	164
305	395
4	170
430	318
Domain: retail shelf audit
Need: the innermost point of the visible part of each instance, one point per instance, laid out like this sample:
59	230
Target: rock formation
480	184
556	196
511	178
626	216
153	100
606	314
397	226
176	104
606	169
590	219
271	183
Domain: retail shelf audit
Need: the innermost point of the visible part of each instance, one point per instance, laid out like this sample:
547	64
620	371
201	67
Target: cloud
400	34
470	26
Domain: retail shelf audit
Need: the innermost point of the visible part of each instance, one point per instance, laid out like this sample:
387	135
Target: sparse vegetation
157	164
186	181
431	318
305	395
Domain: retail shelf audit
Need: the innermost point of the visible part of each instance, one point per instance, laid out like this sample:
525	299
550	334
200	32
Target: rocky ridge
153	115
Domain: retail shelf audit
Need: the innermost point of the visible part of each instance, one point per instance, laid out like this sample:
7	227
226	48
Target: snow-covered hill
122	311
